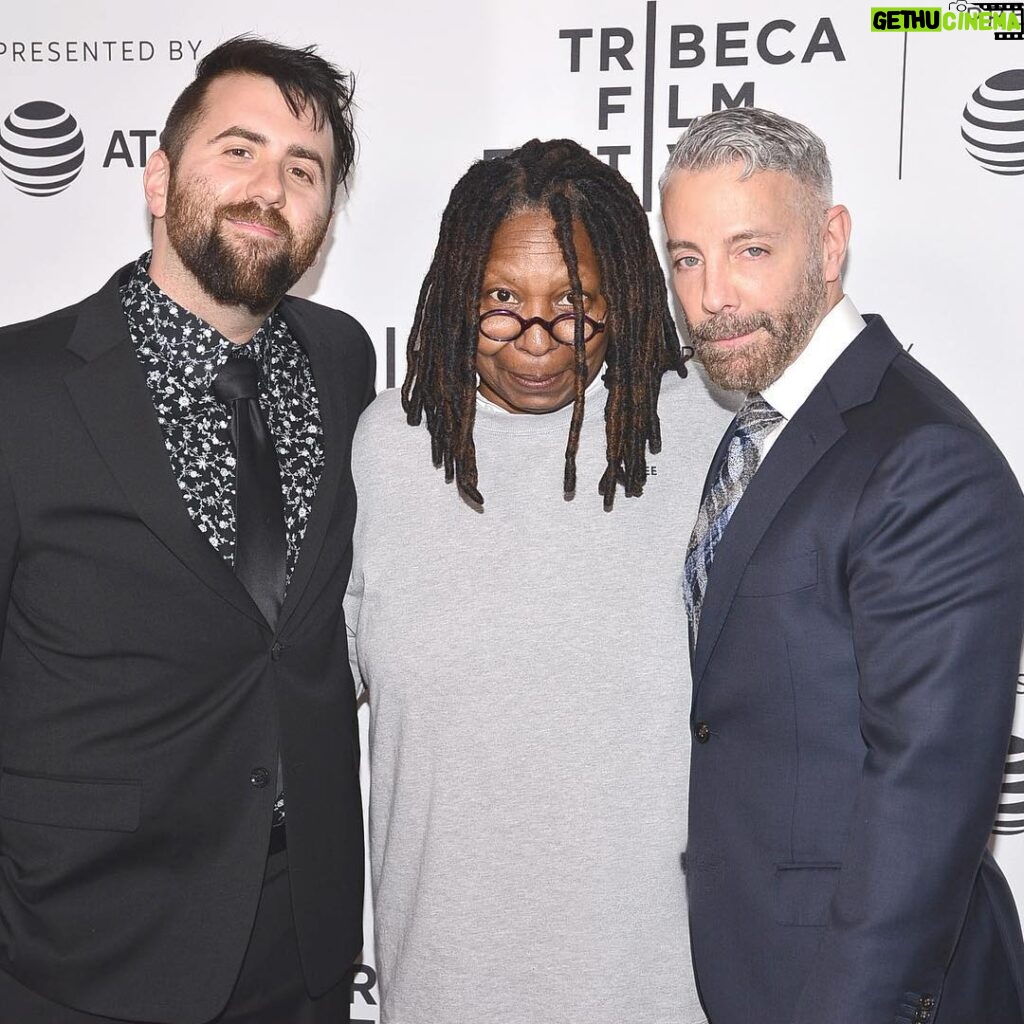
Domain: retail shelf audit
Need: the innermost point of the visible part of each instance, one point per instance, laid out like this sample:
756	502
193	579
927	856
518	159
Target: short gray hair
763	140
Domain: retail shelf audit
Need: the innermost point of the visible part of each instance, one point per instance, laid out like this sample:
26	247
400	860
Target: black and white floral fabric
181	354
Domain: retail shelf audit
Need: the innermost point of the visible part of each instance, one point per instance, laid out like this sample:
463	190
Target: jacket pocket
803	893
112	806
780	576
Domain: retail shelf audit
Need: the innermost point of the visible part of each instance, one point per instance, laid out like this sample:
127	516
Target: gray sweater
529	691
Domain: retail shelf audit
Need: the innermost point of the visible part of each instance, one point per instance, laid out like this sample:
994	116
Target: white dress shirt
841	324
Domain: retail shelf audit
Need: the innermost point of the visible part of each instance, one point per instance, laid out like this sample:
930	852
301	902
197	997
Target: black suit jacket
854	682
141	690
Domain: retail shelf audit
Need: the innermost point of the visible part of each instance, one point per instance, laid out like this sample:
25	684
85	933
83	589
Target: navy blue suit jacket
853	695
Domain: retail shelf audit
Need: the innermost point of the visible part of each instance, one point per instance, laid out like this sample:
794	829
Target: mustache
251	211
716	328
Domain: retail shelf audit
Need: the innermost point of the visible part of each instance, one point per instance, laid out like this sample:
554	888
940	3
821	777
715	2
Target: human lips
726	333
733	341
536	381
254	226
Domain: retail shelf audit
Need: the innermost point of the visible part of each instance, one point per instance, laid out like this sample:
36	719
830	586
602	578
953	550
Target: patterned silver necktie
754	422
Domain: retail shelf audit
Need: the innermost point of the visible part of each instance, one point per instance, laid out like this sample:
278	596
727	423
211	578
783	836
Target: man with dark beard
180	828
855	590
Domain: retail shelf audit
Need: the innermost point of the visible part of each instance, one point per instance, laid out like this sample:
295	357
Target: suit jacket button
702	732
275	651
258	778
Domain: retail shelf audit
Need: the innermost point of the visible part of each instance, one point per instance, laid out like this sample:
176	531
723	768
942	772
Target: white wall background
936	244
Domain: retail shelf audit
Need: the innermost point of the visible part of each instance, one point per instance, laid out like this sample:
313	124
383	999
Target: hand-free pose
180	827
855	589
521	631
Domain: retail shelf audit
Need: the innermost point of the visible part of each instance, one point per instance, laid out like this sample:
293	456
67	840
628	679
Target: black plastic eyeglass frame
596	326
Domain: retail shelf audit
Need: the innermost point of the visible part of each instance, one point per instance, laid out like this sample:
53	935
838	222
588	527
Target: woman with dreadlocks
517	613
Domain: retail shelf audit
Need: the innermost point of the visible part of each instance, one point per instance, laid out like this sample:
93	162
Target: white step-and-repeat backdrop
907	118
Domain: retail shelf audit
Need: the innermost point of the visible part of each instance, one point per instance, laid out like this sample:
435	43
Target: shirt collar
187	347
840	325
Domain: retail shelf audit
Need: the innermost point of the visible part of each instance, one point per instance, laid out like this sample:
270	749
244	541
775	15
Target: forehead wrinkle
527	238
507	266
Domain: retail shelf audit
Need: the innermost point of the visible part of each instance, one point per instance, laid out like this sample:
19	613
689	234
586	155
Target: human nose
718	294
536	340
266	184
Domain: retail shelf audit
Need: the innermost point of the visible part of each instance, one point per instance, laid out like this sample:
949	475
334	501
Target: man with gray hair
855	589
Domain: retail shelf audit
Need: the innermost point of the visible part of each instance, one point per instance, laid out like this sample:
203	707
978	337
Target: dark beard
255	272
761	362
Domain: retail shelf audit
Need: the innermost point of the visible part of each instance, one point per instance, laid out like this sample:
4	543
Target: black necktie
261	545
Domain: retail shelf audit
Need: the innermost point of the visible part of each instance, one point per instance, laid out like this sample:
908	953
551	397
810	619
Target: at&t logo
41	148
1010	817
993	123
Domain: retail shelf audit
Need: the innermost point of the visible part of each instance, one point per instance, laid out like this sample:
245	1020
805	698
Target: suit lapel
112	398
817	425
812	431
327	378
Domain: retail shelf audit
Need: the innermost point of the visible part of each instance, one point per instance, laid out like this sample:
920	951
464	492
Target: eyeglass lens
500	326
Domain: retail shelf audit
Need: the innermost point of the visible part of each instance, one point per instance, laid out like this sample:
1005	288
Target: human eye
756	251
504	296
566	301
303	174
238	151
686	262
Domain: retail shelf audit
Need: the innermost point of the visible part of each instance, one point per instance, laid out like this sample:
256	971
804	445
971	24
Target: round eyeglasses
507	325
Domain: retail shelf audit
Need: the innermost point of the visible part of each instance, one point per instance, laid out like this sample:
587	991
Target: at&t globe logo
41	148
1010	817
993	123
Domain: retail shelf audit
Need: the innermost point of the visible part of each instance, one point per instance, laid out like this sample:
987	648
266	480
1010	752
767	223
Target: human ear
156	182
835	240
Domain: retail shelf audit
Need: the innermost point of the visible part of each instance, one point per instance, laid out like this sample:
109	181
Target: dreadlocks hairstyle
306	81
572	185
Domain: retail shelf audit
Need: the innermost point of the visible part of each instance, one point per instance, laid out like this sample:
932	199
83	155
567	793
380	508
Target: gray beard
760	362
